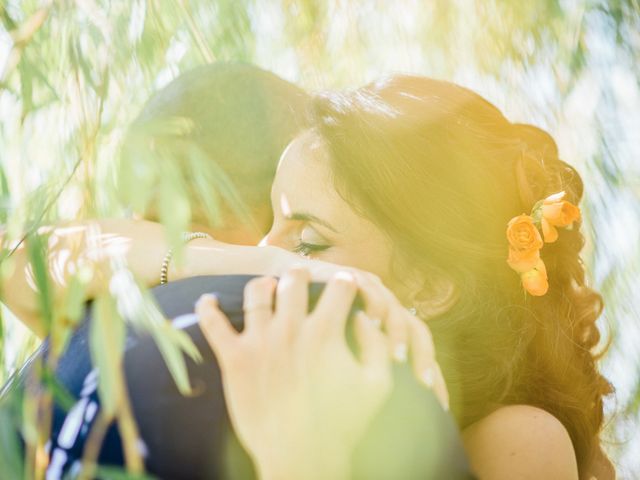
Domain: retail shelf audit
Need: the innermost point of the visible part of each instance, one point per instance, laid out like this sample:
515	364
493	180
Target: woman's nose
276	238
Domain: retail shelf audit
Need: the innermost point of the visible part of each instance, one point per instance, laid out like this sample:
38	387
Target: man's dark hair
236	116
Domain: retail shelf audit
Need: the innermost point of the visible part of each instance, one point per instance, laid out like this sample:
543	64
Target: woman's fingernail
443	395
400	352
428	377
344	276
207	298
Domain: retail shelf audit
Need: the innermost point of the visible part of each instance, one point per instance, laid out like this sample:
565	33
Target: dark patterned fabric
189	437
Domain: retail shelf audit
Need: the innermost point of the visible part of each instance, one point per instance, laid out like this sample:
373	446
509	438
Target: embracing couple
400	294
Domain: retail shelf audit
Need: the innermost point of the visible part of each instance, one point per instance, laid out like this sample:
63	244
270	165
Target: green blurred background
74	73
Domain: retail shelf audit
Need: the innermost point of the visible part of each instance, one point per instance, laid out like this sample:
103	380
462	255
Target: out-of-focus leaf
67	315
114	473
11	455
26	87
2	341
107	335
8	22
173	204
172	343
61	395
37	250
201	178
74	299
211	183
138	307
5	197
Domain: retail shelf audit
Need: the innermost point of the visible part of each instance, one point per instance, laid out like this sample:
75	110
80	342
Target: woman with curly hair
471	221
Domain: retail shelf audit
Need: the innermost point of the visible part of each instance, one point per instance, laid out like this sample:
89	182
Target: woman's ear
433	296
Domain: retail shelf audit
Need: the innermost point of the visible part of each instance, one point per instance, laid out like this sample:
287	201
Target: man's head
235	119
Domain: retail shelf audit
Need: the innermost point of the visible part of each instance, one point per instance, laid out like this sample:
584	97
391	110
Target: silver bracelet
186	238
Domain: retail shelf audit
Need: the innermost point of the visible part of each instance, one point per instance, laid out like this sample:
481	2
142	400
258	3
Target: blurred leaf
114	473
37	251
2	343
26	87
5	197
11	455
75	300
211	182
205	182
61	395
173	203
107	335
138	307
137	176
172	343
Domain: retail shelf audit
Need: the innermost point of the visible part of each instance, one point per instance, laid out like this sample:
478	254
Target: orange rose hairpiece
525	239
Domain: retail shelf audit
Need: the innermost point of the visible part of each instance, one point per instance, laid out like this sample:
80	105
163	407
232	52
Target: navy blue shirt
190	437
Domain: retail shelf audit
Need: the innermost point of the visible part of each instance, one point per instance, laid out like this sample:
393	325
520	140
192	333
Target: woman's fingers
382	305
395	325
215	325
372	346
332	310
440	388
292	300
422	350
423	360
374	294
258	304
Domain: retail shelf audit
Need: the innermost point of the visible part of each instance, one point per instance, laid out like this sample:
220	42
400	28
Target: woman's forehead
304	174
306	148
304	183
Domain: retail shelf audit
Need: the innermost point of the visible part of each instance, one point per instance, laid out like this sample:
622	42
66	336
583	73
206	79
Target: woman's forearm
141	244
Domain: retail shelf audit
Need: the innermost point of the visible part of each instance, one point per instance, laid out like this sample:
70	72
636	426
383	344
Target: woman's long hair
442	171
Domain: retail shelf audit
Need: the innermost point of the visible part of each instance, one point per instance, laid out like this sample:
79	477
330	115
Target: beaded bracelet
186	238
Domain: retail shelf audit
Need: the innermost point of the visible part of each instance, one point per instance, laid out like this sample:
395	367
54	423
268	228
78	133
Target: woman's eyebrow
307	217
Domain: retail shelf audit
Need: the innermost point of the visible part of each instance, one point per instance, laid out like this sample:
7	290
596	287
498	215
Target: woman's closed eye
310	242
306	249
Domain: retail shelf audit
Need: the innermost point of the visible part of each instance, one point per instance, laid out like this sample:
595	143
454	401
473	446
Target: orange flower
523	236
556	212
523	261
525	240
535	280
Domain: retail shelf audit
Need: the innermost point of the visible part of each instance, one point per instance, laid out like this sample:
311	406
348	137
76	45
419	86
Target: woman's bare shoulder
520	441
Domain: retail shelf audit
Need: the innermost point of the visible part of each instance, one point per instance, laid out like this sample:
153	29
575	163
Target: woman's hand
298	398
408	337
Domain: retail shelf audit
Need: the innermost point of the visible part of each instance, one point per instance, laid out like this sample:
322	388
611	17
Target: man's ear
433	296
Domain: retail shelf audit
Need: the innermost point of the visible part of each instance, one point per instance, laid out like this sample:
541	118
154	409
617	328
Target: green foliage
11	463
38	258
113	473
107	343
